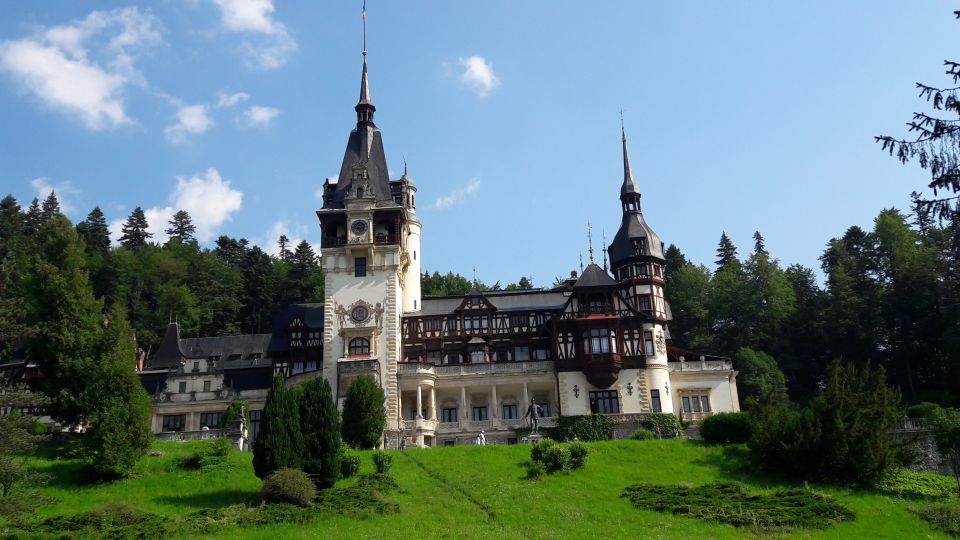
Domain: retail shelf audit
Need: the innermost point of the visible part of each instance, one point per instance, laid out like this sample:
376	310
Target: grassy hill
462	492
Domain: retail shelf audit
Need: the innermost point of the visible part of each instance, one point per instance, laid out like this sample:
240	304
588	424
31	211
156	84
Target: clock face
360	314
358	227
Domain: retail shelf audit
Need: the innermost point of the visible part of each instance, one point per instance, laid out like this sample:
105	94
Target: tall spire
590	240
629	193
365	107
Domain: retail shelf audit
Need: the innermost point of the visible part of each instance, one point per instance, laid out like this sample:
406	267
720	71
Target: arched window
359	346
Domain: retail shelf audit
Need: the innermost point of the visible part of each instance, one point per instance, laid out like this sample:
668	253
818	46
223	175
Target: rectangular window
174	422
503	356
644	302
546	408
648	343
211	420
655	401
449	415
517	320
311	365
596	341
254	425
196	366
510	412
475	323
453	358
206	386
706	403
696	403
183	388
604	402
360	267
297	368
686	403
431	325
478	357
541	354
521	353
479	414
434	357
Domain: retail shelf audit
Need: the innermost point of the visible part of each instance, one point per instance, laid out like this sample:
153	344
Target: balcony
474	425
382	239
493	368
707	365
420	423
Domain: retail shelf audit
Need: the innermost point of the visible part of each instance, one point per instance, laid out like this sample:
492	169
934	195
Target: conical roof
594	276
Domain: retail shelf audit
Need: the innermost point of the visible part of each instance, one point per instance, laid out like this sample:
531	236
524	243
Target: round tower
637	262
411	279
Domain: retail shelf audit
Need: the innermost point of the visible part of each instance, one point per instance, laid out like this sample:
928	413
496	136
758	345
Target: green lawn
480	492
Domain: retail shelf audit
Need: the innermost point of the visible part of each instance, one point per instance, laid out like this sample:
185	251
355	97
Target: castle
450	366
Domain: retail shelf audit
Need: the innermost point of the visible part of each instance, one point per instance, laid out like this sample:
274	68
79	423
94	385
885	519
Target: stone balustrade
493	368
694	365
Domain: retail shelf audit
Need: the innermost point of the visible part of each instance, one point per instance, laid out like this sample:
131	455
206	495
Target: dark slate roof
365	146
502	300
173	348
633	226
310	314
594	276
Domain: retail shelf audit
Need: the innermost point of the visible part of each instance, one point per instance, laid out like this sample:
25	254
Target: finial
404	166
590	240
363	15
581	262
474	276
604	247
623	131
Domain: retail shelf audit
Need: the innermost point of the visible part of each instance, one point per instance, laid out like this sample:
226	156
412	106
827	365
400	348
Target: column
433	403
493	398
526	399
419	403
400	406
463	404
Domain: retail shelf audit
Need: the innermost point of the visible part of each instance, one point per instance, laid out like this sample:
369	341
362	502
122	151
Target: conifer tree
11	224
50	208
94	232
759	248
181	227
284	242
320	427
279	443
726	252
135	234
32	218
306	277
364	416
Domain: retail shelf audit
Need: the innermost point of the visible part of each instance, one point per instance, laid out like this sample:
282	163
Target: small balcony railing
385	239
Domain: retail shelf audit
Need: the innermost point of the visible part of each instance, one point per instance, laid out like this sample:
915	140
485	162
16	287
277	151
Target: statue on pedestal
534	412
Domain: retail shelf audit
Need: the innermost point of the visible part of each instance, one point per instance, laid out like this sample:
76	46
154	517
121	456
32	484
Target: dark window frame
358	346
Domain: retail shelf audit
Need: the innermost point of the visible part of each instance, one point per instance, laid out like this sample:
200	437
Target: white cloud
478	75
207	197
191	120
270	242
64	190
458	194
257	116
83	67
230	100
273	44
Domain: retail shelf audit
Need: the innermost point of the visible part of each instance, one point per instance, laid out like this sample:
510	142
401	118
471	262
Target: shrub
726	428
291	486
922	410
730	502
382	461
231	417
944	517
578	455
668	424
364	415
946	435
538	450
209	454
592	427
556	458
760	380
535	469
320	429
642	434
350	465
119	434
917	484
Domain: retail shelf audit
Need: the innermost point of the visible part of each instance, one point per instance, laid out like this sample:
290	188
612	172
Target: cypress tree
320	426
135	234
279	444
364	416
726	252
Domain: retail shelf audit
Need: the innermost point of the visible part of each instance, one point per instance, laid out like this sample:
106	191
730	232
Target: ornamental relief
360	314
661	343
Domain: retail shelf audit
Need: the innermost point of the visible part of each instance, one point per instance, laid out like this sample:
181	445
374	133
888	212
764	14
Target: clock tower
370	243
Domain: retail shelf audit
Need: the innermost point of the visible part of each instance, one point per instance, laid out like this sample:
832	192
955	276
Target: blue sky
740	116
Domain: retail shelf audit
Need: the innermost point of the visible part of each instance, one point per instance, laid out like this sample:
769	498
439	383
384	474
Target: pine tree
284	242
135	234
279	443
94	232
50	208
32	218
758	245
364	416
320	427
306	277
726	252
11	225
181	227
